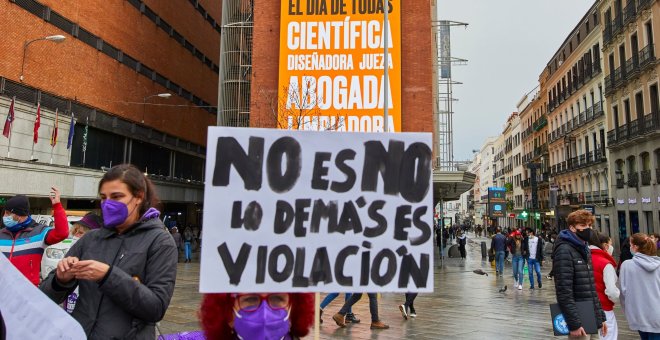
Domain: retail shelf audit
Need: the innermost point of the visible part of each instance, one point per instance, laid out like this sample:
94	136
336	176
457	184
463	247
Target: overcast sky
507	43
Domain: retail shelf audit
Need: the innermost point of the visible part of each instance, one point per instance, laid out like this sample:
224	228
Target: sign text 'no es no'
300	211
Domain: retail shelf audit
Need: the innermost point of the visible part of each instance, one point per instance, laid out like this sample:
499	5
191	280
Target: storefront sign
646	200
632	201
618	201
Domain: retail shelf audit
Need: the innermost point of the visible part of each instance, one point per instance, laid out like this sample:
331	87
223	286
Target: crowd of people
122	270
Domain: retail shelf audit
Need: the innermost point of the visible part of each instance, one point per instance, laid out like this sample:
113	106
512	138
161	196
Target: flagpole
12	108
85	140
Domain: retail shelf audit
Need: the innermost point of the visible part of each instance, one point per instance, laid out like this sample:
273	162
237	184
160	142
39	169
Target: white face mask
610	249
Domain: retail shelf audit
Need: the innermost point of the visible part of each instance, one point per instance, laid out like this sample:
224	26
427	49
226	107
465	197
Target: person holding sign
126	270
273	316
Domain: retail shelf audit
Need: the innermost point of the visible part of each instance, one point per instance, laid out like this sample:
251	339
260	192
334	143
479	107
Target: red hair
216	312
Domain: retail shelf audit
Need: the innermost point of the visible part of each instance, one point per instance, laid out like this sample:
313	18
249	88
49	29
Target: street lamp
54	38
144	101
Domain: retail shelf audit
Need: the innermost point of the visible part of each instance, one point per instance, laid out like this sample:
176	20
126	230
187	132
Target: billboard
332	64
496	202
445	49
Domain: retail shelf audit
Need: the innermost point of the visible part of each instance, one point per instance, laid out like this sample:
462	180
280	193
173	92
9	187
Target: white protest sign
299	211
29	314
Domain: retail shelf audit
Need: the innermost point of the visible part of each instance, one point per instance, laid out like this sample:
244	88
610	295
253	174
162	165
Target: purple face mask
114	213
263	323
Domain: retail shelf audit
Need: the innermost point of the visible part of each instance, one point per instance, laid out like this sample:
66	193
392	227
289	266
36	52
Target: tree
297	108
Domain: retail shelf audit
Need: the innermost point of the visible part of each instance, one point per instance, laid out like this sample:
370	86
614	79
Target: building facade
486	175
141	85
533	125
577	145
633	118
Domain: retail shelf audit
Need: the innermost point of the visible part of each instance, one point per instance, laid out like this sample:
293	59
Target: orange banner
332	65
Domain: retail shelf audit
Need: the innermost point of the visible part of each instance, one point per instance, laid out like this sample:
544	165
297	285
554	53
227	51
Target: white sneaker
519	287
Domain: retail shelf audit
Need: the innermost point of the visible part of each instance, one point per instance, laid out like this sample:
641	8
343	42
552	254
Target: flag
37	124
10	118
53	135
84	143
71	132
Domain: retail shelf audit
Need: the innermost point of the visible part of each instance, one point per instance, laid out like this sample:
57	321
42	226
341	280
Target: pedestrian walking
407	309
125	271
462	242
187	244
350	317
604	266
574	277
518	259
177	241
498	244
533	250
23	240
656	238
640	287
285	316
376	323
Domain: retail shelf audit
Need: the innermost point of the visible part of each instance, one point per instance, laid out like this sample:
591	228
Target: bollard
484	250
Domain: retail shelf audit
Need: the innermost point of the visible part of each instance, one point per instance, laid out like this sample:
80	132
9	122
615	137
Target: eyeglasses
251	302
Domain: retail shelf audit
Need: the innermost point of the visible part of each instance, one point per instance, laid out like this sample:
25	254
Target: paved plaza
464	306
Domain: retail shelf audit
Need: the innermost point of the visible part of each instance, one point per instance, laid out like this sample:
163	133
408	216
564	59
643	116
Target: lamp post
54	38
144	101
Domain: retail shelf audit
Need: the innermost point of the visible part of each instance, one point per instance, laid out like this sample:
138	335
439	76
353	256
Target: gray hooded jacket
135	293
640	292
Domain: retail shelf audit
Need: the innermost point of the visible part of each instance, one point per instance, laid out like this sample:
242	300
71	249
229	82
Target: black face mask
584	234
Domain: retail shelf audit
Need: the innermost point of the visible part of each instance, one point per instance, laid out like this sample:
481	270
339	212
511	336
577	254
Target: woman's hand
90	270
54	195
64	272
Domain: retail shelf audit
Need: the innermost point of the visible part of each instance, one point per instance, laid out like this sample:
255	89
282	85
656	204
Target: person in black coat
573	271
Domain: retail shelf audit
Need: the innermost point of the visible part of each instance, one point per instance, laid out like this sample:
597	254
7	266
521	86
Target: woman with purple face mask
259	316
126	270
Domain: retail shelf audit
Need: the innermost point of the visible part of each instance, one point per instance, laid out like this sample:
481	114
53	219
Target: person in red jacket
604	266
23	240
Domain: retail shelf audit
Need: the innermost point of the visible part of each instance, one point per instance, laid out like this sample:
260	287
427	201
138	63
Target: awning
449	185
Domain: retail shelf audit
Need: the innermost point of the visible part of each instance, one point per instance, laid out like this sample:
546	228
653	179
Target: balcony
646	177
539	151
620	183
646	56
540	123
643	4
630	12
617	26
607	33
648	124
609	84
633	179
598	109
632	66
619	75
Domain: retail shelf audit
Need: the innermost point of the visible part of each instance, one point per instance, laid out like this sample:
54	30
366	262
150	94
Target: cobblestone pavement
464	306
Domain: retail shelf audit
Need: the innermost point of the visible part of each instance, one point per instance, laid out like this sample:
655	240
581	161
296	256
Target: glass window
150	158
103	148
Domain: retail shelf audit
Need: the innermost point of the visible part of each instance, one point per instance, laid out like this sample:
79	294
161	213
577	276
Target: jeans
518	264
499	261
355	297
534	264
649	336
186	247
333	296
410	299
